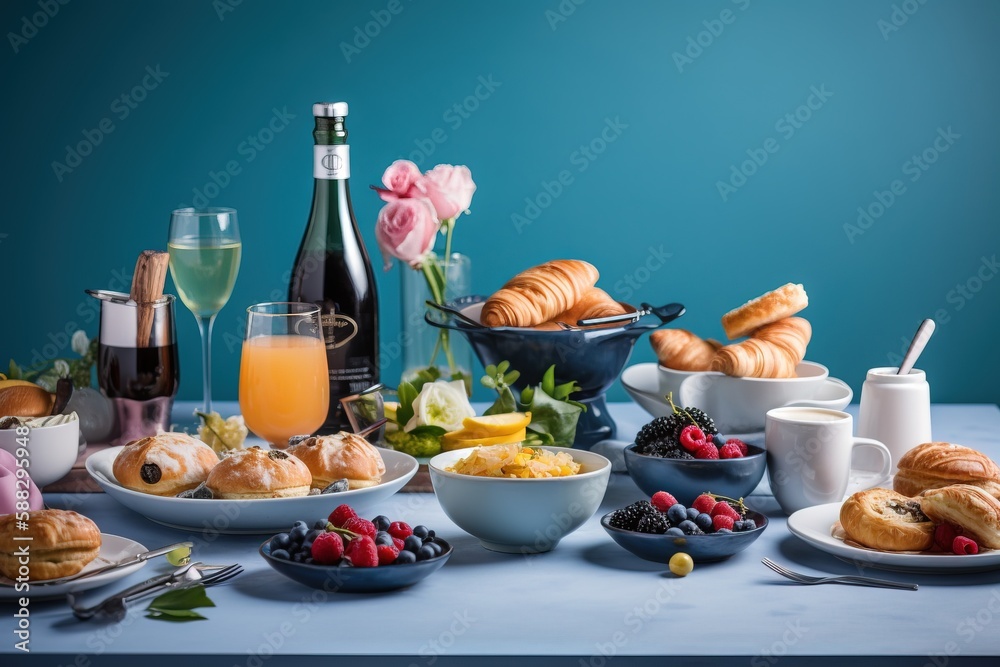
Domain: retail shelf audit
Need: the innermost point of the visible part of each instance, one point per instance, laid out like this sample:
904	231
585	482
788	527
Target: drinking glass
205	249
284	381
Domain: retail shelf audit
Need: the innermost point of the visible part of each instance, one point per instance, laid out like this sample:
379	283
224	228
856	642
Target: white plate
266	515
815	524
113	549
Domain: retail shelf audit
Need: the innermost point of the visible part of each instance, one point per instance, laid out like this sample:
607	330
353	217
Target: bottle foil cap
330	109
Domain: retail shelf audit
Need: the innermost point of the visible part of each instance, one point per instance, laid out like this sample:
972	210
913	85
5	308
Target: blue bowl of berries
712	529
347	554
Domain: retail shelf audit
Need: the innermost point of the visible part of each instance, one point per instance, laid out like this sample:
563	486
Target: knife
132	560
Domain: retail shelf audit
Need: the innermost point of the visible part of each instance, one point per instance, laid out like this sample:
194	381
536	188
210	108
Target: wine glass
205	249
284	381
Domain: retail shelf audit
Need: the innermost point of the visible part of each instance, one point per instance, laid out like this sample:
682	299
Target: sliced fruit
449	443
390	408
490	426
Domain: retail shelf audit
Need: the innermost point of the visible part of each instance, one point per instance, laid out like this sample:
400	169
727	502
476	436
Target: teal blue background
559	80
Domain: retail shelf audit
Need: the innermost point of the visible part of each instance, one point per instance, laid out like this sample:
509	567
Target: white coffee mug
809	457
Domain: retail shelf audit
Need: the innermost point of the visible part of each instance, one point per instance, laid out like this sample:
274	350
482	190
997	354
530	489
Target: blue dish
592	357
702	548
686	479
346	579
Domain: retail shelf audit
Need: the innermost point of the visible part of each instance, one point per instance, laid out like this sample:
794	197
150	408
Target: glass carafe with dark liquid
140	381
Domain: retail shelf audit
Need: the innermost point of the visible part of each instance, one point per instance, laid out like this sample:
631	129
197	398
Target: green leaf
488	382
428	429
554	418
13	371
505	403
549	380
175	615
181	599
511	377
407	394
527	394
502	367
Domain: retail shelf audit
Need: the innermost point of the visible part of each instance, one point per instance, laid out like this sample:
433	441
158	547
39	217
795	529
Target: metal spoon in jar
924	333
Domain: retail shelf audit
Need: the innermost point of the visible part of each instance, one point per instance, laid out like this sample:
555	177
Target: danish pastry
164	464
888	521
539	294
971	508
765	309
61	544
257	473
933	465
341	456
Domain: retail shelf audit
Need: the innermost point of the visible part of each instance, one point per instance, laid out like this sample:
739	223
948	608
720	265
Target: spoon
456	312
924	333
667	312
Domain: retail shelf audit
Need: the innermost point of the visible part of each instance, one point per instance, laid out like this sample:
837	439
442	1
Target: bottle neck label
332	163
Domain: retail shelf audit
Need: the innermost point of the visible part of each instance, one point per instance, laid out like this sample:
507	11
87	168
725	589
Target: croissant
773	351
682	350
539	294
594	302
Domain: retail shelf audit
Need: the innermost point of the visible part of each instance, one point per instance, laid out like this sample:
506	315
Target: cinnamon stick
147	288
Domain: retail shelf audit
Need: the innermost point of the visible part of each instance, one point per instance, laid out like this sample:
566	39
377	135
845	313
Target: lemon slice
491	426
449	441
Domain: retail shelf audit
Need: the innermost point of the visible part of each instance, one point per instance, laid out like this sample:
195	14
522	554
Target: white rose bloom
61	367
441	403
80	342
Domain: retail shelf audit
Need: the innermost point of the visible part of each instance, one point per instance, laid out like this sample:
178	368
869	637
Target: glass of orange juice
284	381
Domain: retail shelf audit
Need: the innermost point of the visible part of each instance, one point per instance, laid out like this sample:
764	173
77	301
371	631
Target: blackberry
667	449
653	523
659	429
700	419
628	518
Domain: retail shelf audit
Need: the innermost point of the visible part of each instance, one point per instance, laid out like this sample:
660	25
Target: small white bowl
520	515
51	450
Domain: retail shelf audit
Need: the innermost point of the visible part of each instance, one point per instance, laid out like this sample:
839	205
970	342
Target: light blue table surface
588	603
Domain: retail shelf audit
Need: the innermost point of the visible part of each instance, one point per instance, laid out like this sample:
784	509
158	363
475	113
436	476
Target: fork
849	580
190	575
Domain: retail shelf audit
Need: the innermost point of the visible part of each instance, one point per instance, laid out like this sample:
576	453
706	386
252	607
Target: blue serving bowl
687	479
347	579
592	357
701	548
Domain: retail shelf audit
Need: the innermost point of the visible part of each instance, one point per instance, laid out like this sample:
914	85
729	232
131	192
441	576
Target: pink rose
449	188
405	230
400	178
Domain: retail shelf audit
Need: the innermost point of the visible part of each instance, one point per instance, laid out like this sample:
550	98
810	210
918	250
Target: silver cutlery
193	574
924	333
849	580
132	560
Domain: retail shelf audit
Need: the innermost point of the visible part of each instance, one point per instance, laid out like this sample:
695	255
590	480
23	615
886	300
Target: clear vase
425	347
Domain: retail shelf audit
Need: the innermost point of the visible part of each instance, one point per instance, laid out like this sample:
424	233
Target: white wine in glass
205	248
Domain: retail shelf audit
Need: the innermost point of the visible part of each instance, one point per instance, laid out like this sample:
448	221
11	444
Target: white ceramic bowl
52	450
520	515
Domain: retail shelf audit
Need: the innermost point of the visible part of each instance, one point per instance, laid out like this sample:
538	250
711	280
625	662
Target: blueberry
413	543
688	526
383	537
320	525
430	534
298	533
722	530
719	440
381	522
435	547
280	541
300	523
299	557
405	557
308	561
747	524
704	521
677	513
294	548
280	553
313	534
693	513
307	548
425	552
674	532
421	531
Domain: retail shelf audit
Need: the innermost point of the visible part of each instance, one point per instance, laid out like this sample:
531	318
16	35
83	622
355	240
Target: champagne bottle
332	268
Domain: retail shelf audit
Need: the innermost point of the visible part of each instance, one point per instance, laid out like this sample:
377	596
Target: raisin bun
164	464
259	473
933	465
62	543
341	456
887	521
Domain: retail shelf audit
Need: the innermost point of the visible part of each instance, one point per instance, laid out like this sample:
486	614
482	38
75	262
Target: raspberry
340	515
386	554
704	503
963	545
692	438
400	529
944	536
720	521
398	543
327	549
706	451
725	509
663	501
362	552
739	443
361	526
730	450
